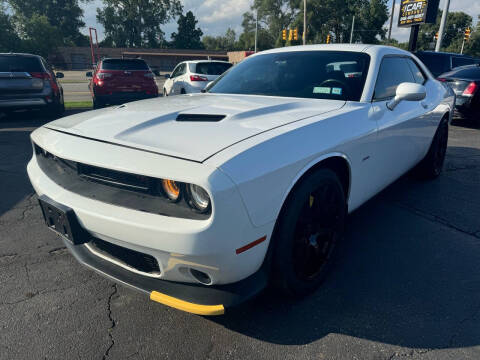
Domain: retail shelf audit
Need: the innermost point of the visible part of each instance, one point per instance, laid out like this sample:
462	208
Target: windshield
338	75
124	64
210	68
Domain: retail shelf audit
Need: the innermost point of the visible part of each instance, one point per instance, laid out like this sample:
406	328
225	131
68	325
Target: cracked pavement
406	283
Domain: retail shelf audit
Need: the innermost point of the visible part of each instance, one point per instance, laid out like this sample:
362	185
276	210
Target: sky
216	16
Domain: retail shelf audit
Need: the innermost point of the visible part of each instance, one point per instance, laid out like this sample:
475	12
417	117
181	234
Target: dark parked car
442	62
117	81
26	82
465	81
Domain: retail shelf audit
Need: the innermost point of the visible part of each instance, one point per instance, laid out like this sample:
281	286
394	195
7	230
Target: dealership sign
412	12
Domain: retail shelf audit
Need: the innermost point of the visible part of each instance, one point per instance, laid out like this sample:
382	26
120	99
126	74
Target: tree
334	17
64	15
39	36
266	39
129	23
225	42
187	37
9	41
457	22
472	46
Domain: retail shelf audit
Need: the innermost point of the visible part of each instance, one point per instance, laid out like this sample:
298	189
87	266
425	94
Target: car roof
442	53
374	50
21	54
113	58
205	61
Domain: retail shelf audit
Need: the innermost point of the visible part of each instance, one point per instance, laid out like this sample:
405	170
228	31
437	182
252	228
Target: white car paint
248	162
179	81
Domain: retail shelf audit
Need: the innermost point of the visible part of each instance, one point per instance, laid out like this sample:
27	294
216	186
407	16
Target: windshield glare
336	75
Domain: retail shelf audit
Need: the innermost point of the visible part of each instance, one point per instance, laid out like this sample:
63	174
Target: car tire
56	110
97	104
432	165
310	225
183	92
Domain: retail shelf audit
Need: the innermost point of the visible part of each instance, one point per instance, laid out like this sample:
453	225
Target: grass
69	105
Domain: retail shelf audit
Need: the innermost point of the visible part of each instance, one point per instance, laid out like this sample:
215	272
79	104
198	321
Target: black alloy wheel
308	230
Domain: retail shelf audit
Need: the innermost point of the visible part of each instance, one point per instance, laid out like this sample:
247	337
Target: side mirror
156	72
167	76
59	75
89	74
407	92
206	88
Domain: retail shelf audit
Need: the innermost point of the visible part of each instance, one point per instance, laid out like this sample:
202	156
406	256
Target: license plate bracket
62	220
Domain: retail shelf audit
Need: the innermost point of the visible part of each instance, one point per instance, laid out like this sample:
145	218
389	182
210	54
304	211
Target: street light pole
442	26
304	22
391	22
353	26
256	31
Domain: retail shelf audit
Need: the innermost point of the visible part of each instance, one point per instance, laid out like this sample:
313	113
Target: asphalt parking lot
406	284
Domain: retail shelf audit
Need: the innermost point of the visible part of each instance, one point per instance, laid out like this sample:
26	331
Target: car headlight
171	189
199	198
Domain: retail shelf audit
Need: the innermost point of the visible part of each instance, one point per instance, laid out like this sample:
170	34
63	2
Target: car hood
152	124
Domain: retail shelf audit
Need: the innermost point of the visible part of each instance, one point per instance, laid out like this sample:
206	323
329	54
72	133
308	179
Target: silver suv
26	82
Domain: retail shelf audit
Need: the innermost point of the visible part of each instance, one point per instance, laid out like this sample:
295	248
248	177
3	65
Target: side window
417	73
182	69
176	71
393	71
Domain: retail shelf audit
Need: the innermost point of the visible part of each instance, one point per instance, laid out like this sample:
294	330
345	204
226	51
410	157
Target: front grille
134	259
133	191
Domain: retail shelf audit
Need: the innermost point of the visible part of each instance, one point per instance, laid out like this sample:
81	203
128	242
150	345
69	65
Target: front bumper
179	245
193	298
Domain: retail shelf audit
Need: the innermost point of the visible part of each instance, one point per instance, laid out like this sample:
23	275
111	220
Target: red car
116	81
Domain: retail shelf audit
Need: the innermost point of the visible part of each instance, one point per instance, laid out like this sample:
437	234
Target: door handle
424	104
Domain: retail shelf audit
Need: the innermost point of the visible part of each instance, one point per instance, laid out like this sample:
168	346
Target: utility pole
391	22
256	31
351	32
442	26
304	22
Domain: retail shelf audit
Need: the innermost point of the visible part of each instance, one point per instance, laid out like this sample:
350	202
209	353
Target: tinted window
437	64
124	64
179	70
461	61
471	72
211	68
20	63
393	71
305	74
417	73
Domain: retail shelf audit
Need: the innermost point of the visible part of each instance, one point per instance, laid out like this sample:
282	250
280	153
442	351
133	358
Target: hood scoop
200	117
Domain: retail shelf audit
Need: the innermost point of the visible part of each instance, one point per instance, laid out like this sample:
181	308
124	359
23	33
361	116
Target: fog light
201	277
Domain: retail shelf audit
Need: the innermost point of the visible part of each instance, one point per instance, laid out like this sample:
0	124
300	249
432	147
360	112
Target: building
235	57
80	58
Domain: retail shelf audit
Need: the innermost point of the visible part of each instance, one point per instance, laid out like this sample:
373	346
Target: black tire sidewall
283	273
427	166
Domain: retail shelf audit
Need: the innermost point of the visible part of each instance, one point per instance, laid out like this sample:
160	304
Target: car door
175	82
178	80
168	85
398	148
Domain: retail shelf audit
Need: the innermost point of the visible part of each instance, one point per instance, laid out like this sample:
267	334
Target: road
406	283
78	91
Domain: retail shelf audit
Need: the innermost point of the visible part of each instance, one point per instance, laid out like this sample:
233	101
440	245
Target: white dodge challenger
202	200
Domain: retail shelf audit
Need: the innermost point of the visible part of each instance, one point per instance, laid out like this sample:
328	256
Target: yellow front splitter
187	306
